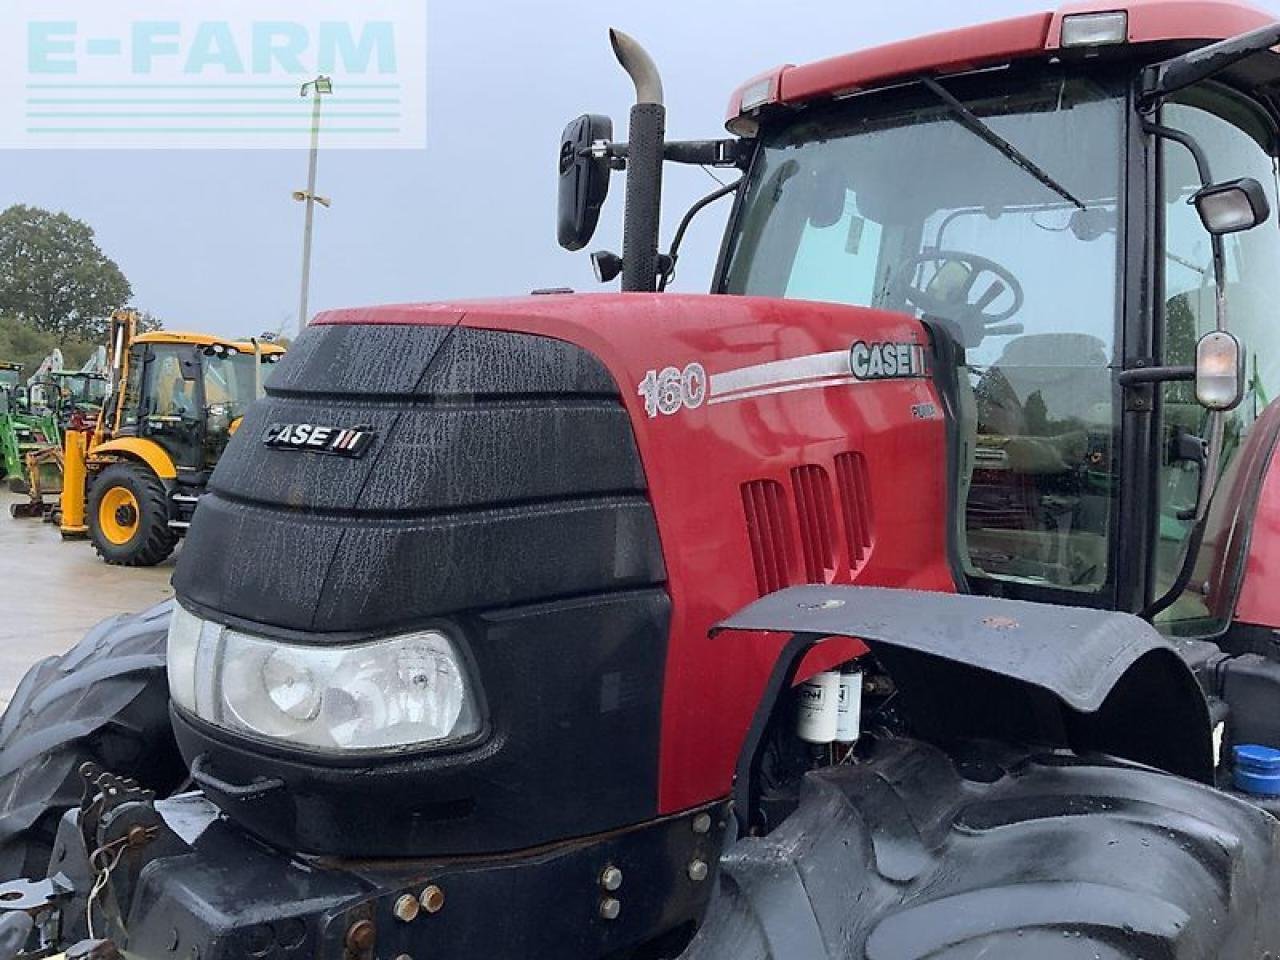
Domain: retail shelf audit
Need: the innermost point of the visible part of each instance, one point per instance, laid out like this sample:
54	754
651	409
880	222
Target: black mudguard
971	667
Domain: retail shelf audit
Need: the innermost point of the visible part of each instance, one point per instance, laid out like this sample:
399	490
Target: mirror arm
1206	178
702	153
1187	140
1140	376
1161	79
708	153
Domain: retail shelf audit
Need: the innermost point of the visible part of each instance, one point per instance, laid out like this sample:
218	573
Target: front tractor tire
104	700
128	516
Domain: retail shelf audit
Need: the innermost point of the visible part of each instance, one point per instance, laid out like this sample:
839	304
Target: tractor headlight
398	693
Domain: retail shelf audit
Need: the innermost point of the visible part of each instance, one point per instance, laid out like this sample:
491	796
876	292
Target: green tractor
74	397
22	430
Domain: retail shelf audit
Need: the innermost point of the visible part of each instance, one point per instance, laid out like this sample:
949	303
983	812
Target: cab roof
985	45
204	340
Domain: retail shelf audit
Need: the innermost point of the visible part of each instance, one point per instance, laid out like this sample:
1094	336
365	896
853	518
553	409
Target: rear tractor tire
1003	854
128	516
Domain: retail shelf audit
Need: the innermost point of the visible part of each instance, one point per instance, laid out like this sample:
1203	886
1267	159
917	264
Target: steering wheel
949	293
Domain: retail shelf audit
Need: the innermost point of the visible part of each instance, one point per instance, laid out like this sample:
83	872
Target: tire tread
908	856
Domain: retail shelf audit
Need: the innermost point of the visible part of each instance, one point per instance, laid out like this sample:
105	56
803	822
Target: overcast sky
211	239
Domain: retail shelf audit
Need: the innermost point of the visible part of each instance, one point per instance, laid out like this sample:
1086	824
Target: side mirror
1232	206
584	180
1219	371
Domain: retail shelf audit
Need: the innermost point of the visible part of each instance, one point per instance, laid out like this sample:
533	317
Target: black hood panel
502	471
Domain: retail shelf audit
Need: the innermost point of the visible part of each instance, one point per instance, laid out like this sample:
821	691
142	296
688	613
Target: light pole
318	87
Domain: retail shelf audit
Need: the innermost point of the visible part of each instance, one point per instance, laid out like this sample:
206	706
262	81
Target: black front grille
503	472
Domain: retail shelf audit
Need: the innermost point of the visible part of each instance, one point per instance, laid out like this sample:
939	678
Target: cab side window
169	394
1235	137
133	389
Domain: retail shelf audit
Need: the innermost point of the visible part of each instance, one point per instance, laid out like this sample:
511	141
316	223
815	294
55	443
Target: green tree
54	276
21	343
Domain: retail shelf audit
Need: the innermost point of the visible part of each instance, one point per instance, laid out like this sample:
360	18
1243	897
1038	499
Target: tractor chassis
212	891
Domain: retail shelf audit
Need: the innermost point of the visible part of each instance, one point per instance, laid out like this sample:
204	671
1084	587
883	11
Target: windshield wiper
971	122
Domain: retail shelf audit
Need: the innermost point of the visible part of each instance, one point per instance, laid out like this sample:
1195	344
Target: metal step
184	498
179	524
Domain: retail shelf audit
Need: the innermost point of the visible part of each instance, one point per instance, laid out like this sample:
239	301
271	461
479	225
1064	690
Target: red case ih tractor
905	597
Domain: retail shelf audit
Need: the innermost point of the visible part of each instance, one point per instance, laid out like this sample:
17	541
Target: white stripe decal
787	388
777	372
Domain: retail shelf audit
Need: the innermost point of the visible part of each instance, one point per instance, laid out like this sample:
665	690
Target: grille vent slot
819	530
769	531
855	506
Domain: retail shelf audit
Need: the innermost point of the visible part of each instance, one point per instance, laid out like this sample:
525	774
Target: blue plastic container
1257	770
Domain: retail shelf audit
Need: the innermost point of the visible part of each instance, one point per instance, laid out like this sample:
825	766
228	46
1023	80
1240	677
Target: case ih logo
672	390
886	361
341	441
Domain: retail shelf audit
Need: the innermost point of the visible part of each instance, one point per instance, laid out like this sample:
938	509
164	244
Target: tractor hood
550	484
511	421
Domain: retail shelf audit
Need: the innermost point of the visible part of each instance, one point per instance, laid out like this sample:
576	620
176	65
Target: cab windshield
231	381
84	388
887	201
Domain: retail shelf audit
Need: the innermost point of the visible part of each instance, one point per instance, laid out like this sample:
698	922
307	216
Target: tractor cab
187	392
10	377
81	395
1053	223
24	428
73	397
14	398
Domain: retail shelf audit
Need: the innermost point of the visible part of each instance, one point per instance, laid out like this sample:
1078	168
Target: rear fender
978	667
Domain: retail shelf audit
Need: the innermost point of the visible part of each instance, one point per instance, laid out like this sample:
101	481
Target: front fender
136	448
978	667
